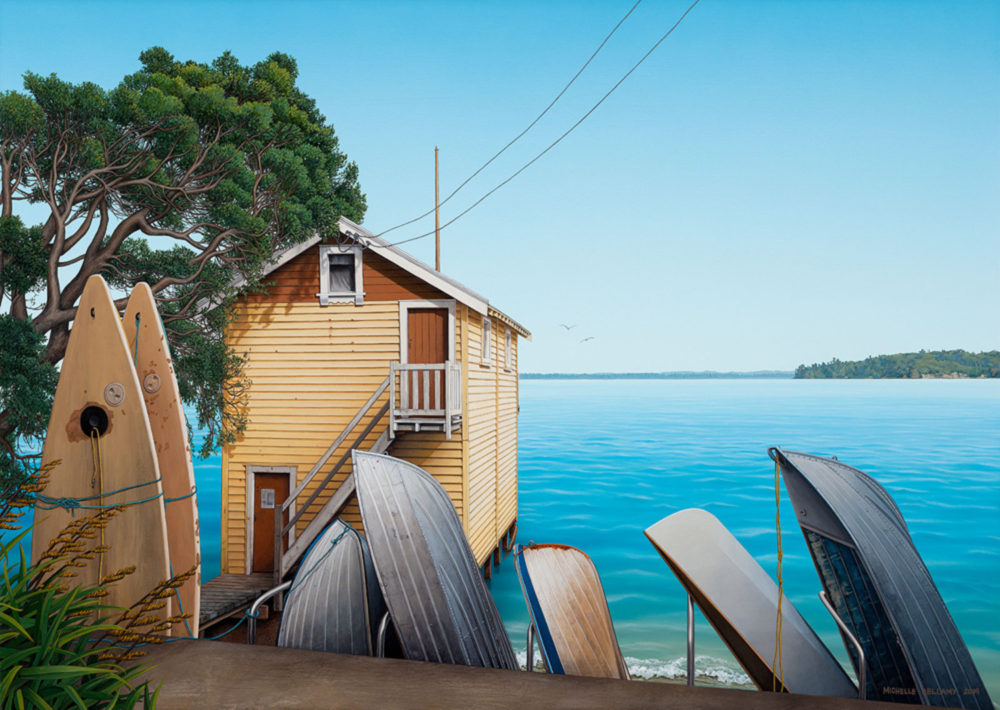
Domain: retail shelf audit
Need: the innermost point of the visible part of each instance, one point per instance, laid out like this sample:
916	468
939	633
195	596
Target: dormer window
340	275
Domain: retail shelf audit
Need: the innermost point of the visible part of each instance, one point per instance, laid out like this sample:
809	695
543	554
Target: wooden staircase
421	397
285	560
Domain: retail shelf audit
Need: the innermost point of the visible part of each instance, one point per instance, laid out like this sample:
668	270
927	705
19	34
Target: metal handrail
690	640
252	614
862	690
383	628
530	655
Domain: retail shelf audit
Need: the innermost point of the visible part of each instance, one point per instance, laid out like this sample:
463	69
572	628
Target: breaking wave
708	670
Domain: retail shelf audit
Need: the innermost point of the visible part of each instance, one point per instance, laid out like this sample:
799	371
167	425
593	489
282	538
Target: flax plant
58	647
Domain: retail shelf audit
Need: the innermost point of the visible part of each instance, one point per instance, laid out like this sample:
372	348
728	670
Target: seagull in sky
586	339
568	327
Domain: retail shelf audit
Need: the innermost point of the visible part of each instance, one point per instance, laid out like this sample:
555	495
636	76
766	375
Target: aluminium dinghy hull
334	603
879	585
570	611
740	600
438	601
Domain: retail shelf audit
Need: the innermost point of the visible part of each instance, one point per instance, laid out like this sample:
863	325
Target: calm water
602	460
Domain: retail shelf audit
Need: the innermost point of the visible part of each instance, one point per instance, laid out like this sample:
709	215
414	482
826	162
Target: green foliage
27	383
940	363
186	175
48	651
23	264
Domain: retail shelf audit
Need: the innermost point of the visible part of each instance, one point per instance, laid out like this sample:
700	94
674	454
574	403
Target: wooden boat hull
880	586
570	611
740	600
155	371
438	601
98	389
334	603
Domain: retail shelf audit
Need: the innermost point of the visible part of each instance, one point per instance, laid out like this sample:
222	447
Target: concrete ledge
212	674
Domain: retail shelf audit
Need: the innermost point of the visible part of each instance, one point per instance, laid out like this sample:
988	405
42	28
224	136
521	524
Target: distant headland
926	363
681	375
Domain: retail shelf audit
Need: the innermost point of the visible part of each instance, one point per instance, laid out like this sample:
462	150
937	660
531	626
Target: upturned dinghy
155	371
569	611
334	603
740	600
100	430
879	585
438	601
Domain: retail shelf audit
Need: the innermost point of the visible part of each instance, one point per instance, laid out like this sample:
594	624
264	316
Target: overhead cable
519	135
560	138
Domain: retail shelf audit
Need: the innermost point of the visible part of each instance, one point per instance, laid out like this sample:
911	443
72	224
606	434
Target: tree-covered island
936	363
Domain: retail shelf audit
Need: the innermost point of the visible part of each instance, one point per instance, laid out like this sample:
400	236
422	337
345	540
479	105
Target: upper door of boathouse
427	343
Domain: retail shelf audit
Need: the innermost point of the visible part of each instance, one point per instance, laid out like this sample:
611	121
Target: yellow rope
95	450
778	662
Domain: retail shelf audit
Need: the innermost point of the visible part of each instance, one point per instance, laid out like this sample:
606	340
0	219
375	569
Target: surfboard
880	586
440	607
100	430
334	603
155	371
570	611
740	600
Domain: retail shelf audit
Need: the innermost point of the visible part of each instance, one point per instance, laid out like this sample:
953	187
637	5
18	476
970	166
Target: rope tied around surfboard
194	490
73	504
778	663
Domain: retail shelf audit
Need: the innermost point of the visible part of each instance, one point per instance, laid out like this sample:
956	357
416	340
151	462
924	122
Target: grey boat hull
880	586
334	603
740	600
438	601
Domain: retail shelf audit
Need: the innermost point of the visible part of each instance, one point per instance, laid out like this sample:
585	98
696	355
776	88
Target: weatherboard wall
311	367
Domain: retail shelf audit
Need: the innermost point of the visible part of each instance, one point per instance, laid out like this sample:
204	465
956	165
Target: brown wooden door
269	491
427	335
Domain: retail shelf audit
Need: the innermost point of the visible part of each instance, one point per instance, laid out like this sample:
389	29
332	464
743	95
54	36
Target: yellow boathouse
357	344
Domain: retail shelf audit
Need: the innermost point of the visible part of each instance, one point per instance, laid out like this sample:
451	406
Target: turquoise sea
601	460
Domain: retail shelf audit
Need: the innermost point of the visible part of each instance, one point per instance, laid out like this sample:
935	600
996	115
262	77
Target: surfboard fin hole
94	419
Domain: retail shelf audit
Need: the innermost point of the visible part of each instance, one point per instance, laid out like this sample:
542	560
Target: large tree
185	175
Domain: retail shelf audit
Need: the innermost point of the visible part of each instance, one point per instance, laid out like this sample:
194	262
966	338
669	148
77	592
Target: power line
559	139
519	135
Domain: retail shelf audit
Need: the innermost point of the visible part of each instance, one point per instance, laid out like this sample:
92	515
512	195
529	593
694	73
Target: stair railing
281	530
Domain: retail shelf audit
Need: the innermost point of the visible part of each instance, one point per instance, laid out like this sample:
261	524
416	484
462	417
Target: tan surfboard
100	431
154	368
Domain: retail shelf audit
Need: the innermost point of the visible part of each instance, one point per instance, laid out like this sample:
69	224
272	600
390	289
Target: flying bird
586	339
568	327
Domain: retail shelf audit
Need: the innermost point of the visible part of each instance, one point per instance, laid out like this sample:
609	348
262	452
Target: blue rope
72	504
186	495
180	604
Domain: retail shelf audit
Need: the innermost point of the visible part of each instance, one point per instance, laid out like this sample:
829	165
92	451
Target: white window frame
404	333
507	354
486	347
251	472
326	297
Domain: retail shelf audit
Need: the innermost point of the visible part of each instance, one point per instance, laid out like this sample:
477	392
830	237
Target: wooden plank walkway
212	674
227	594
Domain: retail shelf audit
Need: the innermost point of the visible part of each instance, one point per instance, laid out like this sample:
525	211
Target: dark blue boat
880	587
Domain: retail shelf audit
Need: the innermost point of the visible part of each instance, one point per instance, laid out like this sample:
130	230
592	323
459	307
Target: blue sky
779	183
